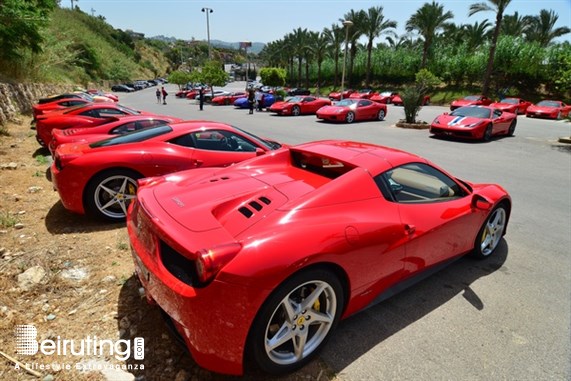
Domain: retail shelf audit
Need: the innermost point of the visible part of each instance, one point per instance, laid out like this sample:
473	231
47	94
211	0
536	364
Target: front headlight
474	124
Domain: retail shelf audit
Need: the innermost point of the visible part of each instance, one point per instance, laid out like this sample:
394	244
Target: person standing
201	97
158	93
164	93
251	100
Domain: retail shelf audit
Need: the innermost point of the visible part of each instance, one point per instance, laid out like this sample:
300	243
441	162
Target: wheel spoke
283	335
111	192
318	317
309	301
299	343
111	203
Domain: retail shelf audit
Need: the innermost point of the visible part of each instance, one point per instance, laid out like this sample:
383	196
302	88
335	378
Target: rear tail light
210	262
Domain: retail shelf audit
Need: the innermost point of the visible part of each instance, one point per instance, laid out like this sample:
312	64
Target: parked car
78	94
338	95
261	260
548	109
351	110
122	88
99	93
88	115
101	178
474	122
299	105
397	100
513	105
60	104
209	95
298	91
269	100
471	100
124	125
362	94
228	99
385	97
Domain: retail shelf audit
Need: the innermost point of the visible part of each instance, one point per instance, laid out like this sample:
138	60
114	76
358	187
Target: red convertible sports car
228	99
513	105
474	122
548	109
61	104
124	125
470	100
101	178
261	260
362	94
89	115
384	97
350	110
299	105
337	95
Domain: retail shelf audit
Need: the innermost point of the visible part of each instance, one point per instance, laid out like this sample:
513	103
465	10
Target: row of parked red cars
279	247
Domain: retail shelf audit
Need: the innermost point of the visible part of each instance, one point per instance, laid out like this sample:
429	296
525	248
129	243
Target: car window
497	113
91	113
417	183
217	140
136	125
364	103
111	111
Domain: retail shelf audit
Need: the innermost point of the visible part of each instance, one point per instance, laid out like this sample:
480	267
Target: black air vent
246	212
254	204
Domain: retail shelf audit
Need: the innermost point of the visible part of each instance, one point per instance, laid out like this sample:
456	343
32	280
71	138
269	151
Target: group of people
163	93
255	99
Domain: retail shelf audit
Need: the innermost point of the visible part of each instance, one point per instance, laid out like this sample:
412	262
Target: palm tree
515	25
355	32
427	21
297	49
541	28
476	34
497	6
334	38
374	24
319	47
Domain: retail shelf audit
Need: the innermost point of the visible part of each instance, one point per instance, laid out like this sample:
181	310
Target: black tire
488	133
491	232
511	129
108	194
301	321
350	118
381	115
226	102
295	111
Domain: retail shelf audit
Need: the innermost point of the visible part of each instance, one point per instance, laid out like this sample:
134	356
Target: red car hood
334	109
457	121
280	105
464	102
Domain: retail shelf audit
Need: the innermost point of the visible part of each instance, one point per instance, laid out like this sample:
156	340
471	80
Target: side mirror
260	152
479	202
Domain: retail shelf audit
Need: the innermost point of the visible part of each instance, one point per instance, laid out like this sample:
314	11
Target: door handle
409	229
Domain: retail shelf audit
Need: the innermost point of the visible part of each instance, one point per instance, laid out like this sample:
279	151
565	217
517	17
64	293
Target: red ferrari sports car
61	104
397	100
228	99
548	109
362	94
350	110
124	125
89	115
299	105
261	260
385	97
338	95
470	100
474	122
513	105
101	178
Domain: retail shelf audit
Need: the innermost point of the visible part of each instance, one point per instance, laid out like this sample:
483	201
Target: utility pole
207	11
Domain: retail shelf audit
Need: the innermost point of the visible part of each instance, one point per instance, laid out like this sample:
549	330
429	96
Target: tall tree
374	24
498	7
355	32
427	21
319	46
515	25
542	29
298	40
334	38
476	34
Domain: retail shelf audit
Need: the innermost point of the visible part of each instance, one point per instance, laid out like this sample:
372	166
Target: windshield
128	110
345	102
512	101
549	104
133	137
386	93
263	142
295	99
472	98
475	112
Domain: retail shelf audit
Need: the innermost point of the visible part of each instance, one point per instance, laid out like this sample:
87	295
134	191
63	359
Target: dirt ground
85	287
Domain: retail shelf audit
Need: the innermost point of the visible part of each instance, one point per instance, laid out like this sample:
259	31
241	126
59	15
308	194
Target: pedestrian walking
158	93
201	97
164	93
251	100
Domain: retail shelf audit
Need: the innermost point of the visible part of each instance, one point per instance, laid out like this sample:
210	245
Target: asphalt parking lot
504	318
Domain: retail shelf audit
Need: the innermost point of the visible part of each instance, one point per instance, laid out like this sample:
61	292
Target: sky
268	20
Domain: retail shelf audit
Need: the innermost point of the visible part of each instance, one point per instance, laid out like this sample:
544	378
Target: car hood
281	105
334	109
464	102
542	108
457	121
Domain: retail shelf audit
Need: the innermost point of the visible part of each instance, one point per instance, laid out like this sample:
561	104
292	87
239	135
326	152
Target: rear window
319	164
133	137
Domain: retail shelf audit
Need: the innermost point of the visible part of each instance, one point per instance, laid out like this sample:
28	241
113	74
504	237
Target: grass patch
7	220
4	131
41	159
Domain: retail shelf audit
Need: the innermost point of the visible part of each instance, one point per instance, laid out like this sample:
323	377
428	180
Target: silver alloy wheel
113	195
295	111
300	322
381	115
350	117
493	231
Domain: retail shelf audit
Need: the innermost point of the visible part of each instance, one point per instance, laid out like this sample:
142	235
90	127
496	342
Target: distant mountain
256	46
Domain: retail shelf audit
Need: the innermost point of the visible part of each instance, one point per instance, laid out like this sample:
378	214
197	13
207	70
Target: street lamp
347	24
207	11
